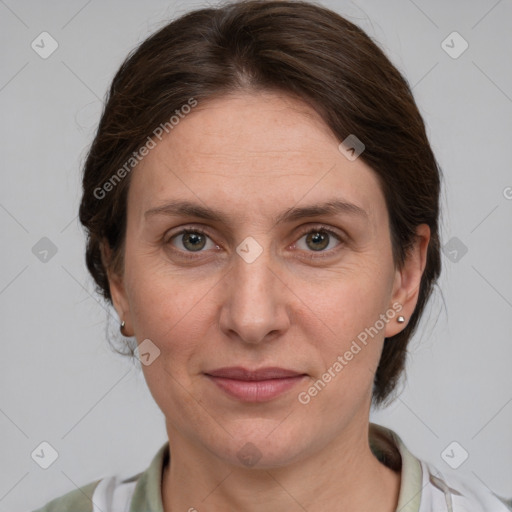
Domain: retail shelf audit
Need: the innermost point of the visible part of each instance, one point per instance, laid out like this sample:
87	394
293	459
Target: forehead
251	153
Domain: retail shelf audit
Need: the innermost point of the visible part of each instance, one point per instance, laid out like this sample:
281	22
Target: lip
259	385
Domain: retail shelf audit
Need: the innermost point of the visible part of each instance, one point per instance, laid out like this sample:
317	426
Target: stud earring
400	319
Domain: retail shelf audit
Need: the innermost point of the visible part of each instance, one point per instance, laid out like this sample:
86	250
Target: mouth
255	385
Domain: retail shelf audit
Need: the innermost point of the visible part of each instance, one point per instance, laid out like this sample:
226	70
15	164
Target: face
257	272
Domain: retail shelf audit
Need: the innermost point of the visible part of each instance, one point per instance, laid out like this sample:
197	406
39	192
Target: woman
262	202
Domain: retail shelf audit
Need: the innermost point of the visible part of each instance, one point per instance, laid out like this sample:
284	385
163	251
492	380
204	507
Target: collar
387	446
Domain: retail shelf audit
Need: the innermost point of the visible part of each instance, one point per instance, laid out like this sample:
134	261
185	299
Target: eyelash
306	231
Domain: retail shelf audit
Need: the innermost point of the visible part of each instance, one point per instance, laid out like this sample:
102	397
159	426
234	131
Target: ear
117	289
407	281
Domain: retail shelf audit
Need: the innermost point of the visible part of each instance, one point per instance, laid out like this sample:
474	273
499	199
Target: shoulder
117	492
458	493
79	500
109	494
424	488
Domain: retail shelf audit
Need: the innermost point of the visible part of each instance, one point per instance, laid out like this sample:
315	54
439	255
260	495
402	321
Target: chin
261	447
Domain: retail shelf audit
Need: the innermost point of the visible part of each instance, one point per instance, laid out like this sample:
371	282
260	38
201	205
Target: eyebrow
190	209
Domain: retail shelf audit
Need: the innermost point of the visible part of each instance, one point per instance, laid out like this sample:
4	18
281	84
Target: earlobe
408	280
119	300
117	290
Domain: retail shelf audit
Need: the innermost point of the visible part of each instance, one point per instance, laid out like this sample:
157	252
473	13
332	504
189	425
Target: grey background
61	383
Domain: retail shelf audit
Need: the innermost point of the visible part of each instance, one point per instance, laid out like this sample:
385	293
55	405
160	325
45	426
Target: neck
345	475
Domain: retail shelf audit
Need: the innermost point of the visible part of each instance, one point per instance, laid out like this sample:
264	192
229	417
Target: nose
254	307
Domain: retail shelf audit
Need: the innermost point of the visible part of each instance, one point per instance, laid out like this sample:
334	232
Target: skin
252	156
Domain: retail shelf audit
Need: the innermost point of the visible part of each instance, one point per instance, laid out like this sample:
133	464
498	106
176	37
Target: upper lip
240	373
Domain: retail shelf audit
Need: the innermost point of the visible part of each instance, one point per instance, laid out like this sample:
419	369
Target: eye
191	240
318	239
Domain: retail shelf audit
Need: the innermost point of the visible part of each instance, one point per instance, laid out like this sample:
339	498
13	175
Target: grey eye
317	240
191	241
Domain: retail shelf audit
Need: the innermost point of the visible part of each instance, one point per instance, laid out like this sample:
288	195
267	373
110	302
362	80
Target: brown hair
294	47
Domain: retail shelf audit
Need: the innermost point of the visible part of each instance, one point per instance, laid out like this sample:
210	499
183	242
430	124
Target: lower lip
256	390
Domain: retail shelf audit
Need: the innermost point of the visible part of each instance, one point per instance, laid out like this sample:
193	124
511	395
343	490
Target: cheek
176	317
162	298
345	330
348	300
175	320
